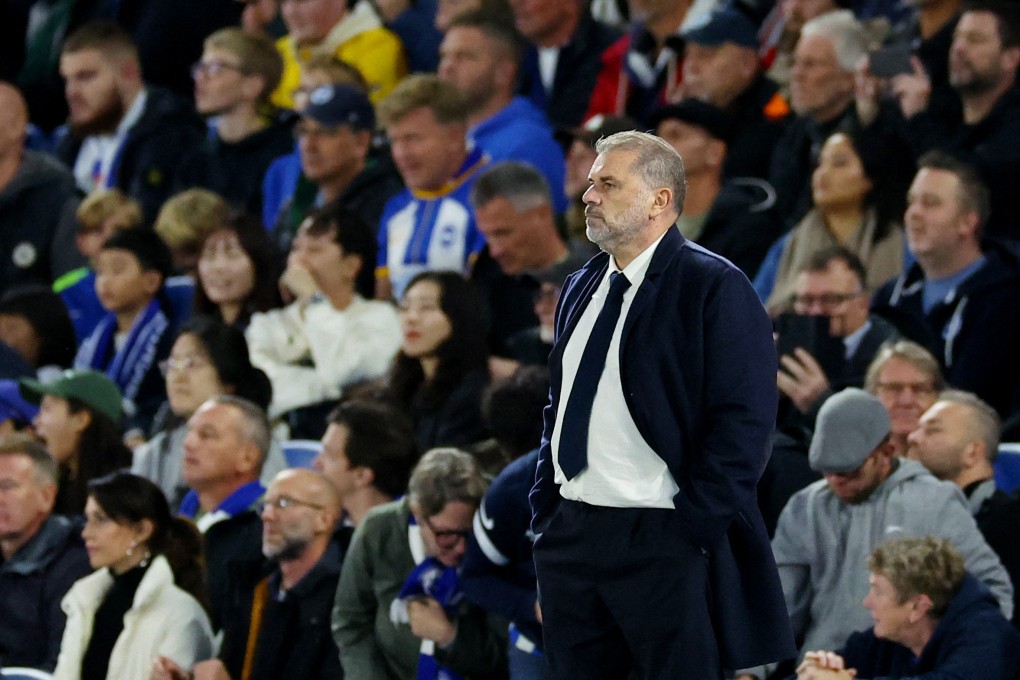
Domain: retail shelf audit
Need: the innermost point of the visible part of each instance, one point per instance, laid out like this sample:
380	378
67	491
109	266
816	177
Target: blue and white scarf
431	578
129	365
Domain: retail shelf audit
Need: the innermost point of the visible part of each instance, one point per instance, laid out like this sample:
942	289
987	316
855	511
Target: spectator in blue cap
335	142
16	413
721	67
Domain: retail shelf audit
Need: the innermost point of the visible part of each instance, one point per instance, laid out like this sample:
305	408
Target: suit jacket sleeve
739	398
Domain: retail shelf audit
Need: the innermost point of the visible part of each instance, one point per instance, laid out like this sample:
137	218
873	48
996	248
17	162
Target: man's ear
662	200
364	476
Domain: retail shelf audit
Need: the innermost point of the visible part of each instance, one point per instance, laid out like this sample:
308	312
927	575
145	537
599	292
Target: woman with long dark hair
146	598
208	359
442	368
858	191
79	421
237	273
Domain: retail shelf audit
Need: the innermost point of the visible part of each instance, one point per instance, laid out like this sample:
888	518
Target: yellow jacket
359	39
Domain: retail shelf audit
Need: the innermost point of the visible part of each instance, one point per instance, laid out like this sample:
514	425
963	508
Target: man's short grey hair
44	467
849	39
442	476
657	161
254	423
519	183
910	352
984	423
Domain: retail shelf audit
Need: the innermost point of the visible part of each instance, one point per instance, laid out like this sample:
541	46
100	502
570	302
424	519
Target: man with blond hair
430	225
234	79
906	378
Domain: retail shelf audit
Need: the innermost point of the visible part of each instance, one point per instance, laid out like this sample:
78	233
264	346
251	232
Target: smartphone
887	62
810	333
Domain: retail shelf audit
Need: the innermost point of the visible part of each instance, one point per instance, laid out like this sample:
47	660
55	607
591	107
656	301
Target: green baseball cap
87	386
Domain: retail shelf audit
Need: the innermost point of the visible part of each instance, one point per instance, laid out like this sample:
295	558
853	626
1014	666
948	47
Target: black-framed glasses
211	69
284	502
447	538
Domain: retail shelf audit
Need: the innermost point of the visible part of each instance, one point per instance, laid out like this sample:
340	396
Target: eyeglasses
448	538
211	69
825	300
284	502
897	388
181	364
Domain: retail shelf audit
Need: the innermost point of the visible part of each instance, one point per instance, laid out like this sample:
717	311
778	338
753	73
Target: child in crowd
137	330
100	215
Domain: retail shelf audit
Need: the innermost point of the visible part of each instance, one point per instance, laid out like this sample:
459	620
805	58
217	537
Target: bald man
37	204
286	604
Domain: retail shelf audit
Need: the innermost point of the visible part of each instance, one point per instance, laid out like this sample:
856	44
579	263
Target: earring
145	560
131	548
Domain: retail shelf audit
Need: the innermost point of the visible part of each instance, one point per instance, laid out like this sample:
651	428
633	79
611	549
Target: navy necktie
573	445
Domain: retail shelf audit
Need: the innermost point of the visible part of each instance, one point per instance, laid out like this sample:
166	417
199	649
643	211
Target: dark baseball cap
340	104
92	388
712	119
722	25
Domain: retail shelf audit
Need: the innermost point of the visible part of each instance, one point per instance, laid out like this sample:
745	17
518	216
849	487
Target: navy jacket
971	641
153	149
974	334
698	364
32	584
498	570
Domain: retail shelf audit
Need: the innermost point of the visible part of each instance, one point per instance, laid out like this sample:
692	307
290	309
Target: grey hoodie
822	546
37	227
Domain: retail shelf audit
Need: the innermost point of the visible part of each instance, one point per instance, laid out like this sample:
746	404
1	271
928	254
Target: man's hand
824	666
801	379
428	621
297	282
867	89
912	90
165	668
213	669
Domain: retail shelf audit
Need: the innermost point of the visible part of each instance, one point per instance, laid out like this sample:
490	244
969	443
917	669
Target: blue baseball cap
12	405
722	25
334	105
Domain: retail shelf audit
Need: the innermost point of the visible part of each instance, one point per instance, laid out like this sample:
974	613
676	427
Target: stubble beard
106	120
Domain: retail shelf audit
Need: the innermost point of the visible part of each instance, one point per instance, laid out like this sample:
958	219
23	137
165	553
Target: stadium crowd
279	283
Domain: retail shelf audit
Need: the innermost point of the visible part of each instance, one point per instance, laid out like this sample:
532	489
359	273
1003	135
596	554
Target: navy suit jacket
698	368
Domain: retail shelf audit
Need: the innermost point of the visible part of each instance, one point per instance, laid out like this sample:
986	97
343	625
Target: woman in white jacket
145	598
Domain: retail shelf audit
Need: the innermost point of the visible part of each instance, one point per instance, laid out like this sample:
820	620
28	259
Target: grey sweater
822	546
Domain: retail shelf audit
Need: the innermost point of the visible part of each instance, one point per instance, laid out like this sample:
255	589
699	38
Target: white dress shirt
623	471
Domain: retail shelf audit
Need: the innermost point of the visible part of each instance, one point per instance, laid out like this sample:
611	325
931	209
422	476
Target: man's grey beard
290	550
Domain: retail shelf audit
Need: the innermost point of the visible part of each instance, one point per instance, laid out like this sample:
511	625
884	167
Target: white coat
163	621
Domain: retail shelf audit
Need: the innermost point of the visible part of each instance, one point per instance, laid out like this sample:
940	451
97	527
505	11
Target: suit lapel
669	248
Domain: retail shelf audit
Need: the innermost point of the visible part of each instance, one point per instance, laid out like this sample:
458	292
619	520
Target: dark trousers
623	591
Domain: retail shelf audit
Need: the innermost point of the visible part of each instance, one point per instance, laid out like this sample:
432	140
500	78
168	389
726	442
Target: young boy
136	333
100	215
